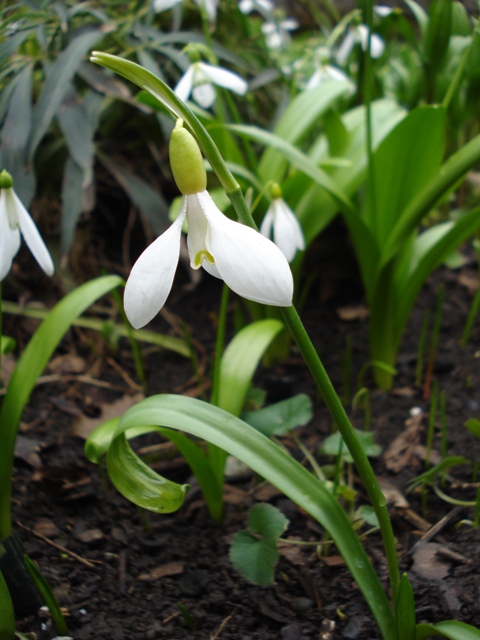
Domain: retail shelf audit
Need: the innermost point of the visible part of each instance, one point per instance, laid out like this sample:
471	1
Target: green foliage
254	553
280	418
7	616
332	444
47	595
405	613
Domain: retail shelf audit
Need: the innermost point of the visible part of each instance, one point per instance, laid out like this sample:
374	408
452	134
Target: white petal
269	28
197	232
267	224
30	233
185	84
224	78
317	78
163	5
210	9
9	239
335	74
287	232
377	46
151	277
290	24
204	94
274	40
346	47
382	10
245	6
251	265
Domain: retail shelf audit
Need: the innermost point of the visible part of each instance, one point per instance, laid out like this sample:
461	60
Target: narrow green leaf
405	610
7	615
30	365
47	596
150	202
240	361
281	417
10	44
298	159
434	472
473	426
278	467
302	113
72	201
452	629
57	84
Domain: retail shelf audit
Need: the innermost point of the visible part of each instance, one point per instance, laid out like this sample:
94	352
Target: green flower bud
186	160
6	180
275	191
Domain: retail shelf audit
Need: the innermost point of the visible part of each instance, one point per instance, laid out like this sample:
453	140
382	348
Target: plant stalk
345	427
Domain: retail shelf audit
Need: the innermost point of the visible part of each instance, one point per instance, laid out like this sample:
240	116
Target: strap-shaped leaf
272	463
405	610
57	84
29	366
452	629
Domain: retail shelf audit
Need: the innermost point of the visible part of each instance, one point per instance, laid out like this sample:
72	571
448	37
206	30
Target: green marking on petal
200	256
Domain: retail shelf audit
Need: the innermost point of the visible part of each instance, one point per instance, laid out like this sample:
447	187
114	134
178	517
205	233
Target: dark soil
109	589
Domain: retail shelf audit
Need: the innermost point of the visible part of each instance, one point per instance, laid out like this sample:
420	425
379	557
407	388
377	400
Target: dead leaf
46	528
68	363
334	561
266	492
169	569
353	312
471	282
400	453
427	563
83	426
27	449
393	495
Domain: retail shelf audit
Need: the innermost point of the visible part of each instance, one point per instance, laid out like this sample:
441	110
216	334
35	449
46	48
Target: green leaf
30	365
405	610
430	475
402	167
452	629
275	465
473	426
57	84
254	553
7	345
72	201
331	445
302	113
298	159
150	202
7	615
281	417
47	596
240	361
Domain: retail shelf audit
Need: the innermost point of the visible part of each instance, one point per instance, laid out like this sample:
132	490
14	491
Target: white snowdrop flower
263	6
326	72
282	225
15	220
211	7
277	33
199	79
250	264
382	10
359	34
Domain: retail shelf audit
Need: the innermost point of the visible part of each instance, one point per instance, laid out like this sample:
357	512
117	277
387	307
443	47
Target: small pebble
299	605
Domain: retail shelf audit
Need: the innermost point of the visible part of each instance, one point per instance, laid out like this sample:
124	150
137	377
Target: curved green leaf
7	615
240	361
298	159
405	610
30	365
271	462
452	629
47	595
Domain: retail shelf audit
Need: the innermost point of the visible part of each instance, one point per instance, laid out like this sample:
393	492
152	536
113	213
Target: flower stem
345	427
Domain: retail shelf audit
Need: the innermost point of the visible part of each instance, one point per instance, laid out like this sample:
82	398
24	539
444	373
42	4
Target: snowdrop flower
326	72
277	33
251	265
209	5
281	223
15	220
359	34
263	6
199	79
382	10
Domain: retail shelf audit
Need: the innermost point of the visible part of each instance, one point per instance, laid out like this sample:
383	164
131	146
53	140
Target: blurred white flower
326	72
210	6
282	225
359	34
277	33
247	6
15	220
382	10
199	79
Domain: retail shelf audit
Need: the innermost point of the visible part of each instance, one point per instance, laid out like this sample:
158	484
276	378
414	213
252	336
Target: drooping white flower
199	79
250	264
263	6
15	220
210	7
277	33
282	225
383	10
359	34
326	72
